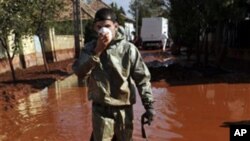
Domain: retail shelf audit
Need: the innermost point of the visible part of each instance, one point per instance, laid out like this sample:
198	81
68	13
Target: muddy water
60	113
184	113
197	112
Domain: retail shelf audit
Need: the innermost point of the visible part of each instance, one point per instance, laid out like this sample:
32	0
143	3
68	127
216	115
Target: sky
123	3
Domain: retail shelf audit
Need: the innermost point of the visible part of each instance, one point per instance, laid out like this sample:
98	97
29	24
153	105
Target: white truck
152	31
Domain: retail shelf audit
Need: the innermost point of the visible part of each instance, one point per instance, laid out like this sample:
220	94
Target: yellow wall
64	42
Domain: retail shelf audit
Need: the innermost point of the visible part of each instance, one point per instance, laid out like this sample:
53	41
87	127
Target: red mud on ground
33	79
30	80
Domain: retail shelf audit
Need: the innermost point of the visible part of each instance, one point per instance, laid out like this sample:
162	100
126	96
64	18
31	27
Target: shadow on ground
177	74
57	72
236	123
37	83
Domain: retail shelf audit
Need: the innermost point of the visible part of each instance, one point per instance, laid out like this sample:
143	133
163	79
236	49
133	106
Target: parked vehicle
152	32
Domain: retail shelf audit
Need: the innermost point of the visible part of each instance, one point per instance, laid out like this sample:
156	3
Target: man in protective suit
114	69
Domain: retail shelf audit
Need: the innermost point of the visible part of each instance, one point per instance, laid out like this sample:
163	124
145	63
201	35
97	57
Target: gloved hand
149	114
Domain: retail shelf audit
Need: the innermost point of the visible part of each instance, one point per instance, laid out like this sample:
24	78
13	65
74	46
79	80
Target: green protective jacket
114	76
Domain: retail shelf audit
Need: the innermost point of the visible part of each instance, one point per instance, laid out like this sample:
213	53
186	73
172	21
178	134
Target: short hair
105	14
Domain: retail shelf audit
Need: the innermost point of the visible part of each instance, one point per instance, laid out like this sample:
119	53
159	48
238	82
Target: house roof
87	10
98	4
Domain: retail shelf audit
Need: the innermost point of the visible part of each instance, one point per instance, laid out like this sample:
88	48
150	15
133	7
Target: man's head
106	17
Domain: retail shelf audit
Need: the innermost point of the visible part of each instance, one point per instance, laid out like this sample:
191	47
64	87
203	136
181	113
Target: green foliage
25	17
43	14
67	27
122	10
89	33
64	28
119	11
149	8
186	20
13	22
196	16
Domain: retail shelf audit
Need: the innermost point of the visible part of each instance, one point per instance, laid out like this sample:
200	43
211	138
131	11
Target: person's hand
149	115
102	43
104	39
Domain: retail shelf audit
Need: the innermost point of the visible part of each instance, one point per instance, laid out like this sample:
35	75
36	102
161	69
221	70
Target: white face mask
105	30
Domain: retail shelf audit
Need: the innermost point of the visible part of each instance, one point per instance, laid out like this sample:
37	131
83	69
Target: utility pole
77	22
137	21
137	18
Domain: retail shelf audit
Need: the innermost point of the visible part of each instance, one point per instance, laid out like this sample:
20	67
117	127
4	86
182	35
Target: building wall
64	42
61	47
64	47
28	54
4	64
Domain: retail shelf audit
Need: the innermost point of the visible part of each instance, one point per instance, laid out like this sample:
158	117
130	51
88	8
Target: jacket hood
120	34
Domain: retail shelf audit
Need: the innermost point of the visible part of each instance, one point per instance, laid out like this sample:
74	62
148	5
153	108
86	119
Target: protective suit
112	81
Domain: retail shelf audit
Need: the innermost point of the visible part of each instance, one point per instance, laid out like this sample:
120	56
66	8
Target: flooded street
192	113
183	113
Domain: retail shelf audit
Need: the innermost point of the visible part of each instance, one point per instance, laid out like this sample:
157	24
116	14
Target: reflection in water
236	108
33	104
210	94
190	113
58	113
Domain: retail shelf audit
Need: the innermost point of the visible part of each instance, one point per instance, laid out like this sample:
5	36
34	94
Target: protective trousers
111	122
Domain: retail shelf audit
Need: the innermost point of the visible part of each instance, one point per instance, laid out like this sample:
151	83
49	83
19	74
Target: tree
89	32
202	17
186	21
119	12
122	10
23	18
43	15
148	8
13	24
